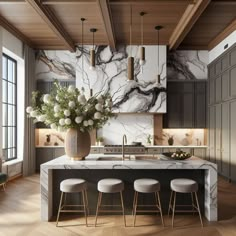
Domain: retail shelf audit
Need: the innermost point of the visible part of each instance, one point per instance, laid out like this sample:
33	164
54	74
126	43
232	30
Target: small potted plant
149	140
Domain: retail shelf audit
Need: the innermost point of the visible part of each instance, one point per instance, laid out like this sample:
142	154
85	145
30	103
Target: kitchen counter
92	164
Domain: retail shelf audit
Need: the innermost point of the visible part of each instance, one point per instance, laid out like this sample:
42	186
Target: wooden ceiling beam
145	2
105	13
12	2
10	28
188	19
50	19
222	35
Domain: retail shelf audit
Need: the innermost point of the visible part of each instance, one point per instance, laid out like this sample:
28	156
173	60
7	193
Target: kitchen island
95	168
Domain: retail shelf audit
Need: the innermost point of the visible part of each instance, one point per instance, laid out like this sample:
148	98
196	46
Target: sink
146	157
109	158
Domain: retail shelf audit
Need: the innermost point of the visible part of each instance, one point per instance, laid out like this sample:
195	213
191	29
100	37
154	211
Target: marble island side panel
91	163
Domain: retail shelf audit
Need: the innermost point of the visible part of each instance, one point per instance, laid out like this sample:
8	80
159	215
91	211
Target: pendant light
92	52
142	60
82	54
130	58
158	28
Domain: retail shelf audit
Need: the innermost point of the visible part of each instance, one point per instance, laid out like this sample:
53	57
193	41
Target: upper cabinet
186	105
222	74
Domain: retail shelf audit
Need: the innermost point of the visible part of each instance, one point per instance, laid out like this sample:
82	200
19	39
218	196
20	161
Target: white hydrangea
67	121
33	113
109	103
29	109
67	113
57	108
41	118
56	114
60	129
46	98
90	122
62	122
57	98
71	104
82	99
71	89
78	119
100	100
97	115
85	123
98	107
53	126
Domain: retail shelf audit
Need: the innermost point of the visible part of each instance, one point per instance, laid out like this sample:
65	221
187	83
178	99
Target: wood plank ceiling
55	24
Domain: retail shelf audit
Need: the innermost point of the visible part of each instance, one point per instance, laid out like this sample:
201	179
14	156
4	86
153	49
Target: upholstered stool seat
110	185
183	185
147	186
73	185
3	180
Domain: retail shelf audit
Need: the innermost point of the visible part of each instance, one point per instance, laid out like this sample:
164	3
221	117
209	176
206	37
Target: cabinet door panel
233	140
188	109
218	89
218	67
43	155
58	152
225	62
233	57
212	134
200	105
218	136
211	91
233	82
225	140
225	85
174	110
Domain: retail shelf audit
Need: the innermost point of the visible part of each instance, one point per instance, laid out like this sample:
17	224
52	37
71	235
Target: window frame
13	104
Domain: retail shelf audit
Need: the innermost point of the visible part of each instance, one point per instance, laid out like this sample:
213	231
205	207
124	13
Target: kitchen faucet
124	141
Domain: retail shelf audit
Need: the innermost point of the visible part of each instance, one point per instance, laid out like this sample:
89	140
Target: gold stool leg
173	210
192	203
59	209
135	193
198	208
160	209
123	209
135	208
170	203
86	199
98	206
85	208
4	187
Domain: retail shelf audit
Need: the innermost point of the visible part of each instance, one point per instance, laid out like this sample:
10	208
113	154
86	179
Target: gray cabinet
218	89
47	154
225	86
186	105
233	140
225	140
211	130
218	136
232	82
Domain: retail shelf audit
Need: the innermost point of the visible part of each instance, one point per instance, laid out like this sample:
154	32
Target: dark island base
128	176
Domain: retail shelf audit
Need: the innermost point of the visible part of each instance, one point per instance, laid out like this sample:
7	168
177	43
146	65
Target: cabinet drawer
154	150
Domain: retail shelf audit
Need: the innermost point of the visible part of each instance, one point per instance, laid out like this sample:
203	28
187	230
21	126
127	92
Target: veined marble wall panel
187	65
135	127
141	95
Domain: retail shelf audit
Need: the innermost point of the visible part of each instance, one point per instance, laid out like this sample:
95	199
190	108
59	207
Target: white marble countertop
161	162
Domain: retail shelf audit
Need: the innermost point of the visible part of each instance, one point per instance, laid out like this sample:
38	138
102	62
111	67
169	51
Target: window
9	106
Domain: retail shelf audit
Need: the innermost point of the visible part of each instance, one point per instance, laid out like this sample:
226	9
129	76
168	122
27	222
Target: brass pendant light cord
82	20
158	52
130	31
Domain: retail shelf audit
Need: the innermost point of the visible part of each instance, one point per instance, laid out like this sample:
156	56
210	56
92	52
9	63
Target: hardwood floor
20	216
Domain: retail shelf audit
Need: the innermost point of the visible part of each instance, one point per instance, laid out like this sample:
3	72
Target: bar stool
184	186
110	186
73	186
147	186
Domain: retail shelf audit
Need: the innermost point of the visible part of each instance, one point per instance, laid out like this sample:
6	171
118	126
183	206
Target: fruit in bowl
178	155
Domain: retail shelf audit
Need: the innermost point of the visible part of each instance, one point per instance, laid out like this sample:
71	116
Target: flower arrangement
180	155
67	107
